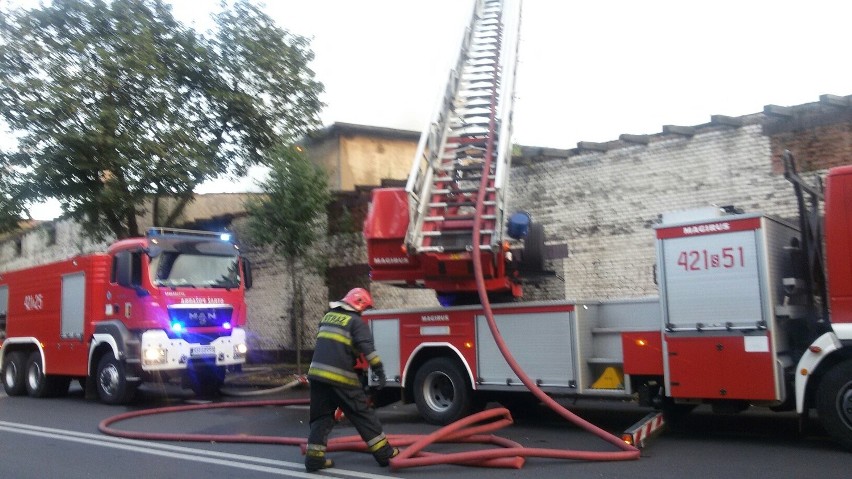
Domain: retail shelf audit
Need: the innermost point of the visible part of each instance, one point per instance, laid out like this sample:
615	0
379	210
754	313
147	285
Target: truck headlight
154	355
240	350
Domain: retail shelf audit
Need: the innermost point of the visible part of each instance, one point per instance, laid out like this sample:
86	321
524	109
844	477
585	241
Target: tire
834	403
111	381
41	385
442	392
35	380
13	374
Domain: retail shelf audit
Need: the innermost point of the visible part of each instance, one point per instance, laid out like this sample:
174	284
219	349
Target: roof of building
339	128
830	109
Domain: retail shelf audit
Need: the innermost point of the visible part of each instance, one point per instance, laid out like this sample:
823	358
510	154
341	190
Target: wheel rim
844	404
439	391
11	376
108	379
34	376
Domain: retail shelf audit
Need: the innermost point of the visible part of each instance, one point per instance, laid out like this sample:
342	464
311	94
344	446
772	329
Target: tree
288	216
10	203
118	105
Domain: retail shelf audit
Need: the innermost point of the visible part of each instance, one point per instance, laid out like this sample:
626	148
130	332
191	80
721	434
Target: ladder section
467	146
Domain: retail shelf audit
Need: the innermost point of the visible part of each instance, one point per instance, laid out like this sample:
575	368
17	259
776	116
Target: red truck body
838	239
169	304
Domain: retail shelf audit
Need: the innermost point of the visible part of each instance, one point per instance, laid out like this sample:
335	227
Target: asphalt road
59	438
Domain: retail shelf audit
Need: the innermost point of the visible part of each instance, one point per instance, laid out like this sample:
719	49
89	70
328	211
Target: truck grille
201	317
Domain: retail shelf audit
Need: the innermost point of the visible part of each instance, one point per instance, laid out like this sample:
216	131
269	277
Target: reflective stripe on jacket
342	337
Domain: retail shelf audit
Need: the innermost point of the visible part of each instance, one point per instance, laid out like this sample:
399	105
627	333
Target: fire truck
744	317
166	306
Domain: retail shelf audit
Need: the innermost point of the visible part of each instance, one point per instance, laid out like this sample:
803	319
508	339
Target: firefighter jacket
342	337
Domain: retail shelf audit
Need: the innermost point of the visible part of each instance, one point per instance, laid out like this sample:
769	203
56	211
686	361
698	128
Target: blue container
518	225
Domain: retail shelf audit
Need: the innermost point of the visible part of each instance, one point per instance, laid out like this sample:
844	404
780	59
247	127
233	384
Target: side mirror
124	269
247	280
127	272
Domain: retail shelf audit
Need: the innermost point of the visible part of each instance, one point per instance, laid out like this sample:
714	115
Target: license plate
202	351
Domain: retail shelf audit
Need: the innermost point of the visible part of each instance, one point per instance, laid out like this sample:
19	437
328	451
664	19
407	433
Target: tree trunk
178	209
300	321
155	210
294	314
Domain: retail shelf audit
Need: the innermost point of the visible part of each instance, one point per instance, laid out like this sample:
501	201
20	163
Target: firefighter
341	339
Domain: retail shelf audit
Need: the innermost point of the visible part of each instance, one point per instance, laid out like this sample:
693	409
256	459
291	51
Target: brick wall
41	245
604	204
820	139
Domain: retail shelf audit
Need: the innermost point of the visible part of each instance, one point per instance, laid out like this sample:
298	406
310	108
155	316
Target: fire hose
469	430
472	429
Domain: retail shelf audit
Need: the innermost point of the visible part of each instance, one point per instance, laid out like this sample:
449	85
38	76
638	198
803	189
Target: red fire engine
171	303
742	318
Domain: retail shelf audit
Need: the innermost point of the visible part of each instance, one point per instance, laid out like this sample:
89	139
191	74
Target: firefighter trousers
325	399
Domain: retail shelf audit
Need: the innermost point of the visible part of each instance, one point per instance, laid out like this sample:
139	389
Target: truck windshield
174	269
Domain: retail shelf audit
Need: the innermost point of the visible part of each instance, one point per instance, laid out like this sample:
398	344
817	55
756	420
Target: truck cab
180	295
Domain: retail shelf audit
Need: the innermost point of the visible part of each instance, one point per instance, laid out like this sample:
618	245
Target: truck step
648	427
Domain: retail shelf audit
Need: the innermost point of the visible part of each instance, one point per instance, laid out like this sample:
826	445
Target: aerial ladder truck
751	312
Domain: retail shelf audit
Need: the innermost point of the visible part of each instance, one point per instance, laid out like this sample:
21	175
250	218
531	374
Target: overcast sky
588	71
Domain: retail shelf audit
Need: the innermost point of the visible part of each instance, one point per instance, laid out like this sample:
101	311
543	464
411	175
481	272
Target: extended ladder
467	145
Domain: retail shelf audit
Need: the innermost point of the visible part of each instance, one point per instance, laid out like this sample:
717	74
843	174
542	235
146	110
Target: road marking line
178	452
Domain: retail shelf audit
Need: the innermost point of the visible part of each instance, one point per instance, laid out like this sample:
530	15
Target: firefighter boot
385	454
315	459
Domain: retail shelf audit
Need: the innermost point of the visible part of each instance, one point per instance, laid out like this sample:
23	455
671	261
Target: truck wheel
13	374
41	385
834	403
36	381
441	392
111	381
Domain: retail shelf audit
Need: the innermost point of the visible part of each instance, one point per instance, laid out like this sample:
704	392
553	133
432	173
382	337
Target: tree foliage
119	105
288	217
10	205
